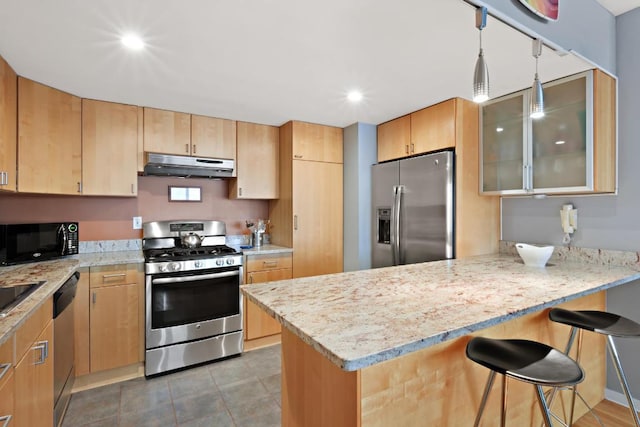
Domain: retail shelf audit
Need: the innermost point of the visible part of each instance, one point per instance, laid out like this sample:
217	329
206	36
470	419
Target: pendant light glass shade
481	80
481	72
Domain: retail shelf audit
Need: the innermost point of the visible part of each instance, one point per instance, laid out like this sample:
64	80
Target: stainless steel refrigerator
413	212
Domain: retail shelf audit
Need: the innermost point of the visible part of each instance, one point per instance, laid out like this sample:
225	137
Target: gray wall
583	26
360	152
607	222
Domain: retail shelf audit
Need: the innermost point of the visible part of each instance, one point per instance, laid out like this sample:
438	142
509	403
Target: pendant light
537	96
481	74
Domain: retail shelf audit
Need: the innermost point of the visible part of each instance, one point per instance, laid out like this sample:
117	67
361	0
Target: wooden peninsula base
436	386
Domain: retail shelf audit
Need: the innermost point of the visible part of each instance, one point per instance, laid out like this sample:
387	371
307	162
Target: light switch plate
137	222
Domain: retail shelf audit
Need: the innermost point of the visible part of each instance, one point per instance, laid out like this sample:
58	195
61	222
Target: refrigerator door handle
395	224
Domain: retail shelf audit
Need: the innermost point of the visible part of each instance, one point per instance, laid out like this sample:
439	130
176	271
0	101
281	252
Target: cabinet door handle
6	419
3	178
79	187
132	191
413	148
94	297
43	355
186	148
193	148
406	149
250	279
239	191
297	156
111	276
295	222
3	369
270	263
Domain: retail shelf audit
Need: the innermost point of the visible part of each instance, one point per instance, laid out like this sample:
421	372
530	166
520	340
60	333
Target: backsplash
586	255
109	218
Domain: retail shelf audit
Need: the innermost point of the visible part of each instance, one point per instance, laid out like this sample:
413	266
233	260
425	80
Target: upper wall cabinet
257	162
572	149
109	148
8	117
432	128
49	140
212	137
317	142
167	132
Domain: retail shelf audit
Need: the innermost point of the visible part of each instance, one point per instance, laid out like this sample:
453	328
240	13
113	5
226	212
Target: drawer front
6	353
113	275
29	331
268	262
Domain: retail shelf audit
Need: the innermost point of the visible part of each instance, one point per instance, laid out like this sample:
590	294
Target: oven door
187	306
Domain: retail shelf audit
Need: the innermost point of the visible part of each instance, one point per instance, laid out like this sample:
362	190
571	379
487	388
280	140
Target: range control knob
219	262
198	264
174	266
229	261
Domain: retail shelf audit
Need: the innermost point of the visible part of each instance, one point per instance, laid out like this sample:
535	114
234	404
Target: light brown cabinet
213	137
260	269
257	162
434	128
430	129
33	373
394	138
49	140
167	132
6	380
114	338
8	134
308	215
318	143
109	138
108	322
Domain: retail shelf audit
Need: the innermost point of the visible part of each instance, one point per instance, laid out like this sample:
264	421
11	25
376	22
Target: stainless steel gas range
193	300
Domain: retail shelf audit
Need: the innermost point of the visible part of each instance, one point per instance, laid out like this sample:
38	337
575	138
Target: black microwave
37	242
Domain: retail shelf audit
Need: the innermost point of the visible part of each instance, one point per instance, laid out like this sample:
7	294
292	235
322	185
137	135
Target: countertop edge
387	354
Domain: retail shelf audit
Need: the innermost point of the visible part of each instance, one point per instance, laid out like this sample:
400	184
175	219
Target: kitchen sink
11	296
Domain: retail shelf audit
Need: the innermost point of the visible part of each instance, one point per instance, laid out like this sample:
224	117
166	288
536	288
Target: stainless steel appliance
413	210
11	296
37	242
187	166
193	299
63	343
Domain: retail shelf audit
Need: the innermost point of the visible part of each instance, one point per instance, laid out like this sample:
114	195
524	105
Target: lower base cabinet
7	412
34	382
260	269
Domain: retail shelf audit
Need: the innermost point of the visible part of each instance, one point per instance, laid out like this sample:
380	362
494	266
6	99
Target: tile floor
241	391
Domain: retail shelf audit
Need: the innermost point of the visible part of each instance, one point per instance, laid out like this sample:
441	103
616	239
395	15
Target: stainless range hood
186	166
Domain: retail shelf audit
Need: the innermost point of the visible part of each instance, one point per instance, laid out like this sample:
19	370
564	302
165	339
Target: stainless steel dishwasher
63	353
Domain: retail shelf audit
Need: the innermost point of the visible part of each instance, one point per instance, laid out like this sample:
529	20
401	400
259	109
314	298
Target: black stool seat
597	321
527	361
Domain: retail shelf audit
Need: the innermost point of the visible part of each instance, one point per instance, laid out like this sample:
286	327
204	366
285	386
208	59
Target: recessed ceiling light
354	96
499	129
132	41
559	142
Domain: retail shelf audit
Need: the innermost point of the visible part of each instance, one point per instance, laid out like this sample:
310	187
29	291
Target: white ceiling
618	7
269	61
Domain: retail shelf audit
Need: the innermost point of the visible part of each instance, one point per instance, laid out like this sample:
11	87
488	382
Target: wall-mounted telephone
569	221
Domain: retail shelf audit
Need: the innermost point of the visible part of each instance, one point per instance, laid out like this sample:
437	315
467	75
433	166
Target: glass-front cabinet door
572	149
504	133
562	157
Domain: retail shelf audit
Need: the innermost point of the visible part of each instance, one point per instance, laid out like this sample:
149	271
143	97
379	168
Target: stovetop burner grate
180	254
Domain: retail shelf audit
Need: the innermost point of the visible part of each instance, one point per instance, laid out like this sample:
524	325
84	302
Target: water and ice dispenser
384	225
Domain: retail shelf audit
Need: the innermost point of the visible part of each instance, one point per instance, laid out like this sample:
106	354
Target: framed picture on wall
547	9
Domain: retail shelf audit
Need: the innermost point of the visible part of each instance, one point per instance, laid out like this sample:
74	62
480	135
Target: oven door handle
165	280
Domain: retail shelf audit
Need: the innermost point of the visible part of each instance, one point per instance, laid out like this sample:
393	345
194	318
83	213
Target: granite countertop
361	318
267	249
54	273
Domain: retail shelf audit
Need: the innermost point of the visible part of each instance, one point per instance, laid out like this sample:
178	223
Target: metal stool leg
503	413
623	379
543	406
485	396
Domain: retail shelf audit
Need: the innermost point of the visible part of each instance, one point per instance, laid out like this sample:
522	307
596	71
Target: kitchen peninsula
386	346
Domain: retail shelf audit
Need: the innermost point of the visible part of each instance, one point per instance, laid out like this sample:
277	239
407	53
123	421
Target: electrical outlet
137	222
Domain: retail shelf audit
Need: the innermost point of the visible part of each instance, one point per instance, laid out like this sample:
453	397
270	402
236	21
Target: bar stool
528	361
602	322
